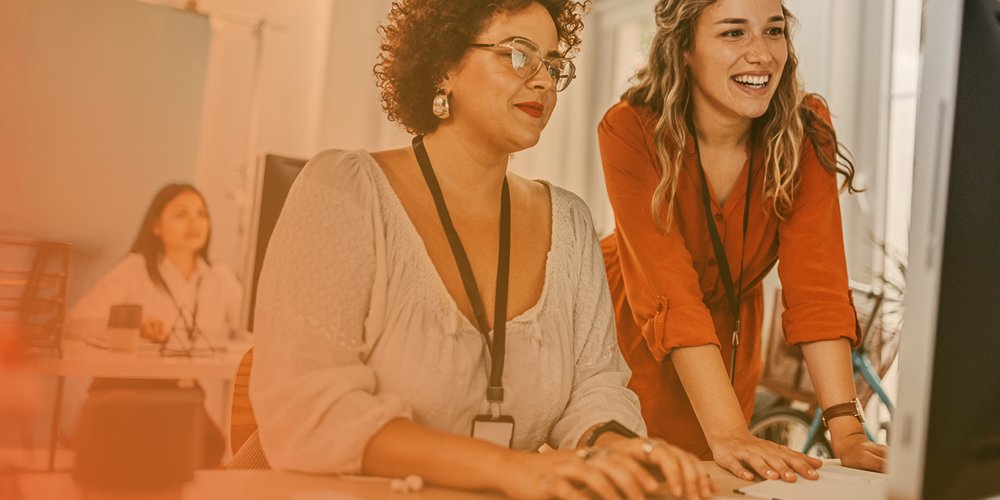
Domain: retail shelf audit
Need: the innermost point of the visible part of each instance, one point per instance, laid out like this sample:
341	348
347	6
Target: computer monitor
945	441
275	175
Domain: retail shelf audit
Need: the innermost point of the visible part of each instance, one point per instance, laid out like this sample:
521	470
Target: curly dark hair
423	39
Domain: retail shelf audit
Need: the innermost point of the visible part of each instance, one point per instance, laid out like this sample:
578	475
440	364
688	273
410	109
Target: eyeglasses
527	59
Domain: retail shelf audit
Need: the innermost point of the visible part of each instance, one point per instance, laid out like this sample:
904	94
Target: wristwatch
851	408
609	426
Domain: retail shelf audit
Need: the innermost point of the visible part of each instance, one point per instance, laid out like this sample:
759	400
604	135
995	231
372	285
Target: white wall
352	115
280	81
105	101
263	93
101	104
844	48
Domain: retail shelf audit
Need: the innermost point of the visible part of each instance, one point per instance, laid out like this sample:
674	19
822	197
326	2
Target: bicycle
776	417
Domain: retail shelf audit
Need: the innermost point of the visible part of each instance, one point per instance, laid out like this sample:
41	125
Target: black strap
193	325
734	294
494	393
610	426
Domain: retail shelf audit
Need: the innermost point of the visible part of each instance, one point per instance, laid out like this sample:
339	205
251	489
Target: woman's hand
681	470
858	452
551	474
744	452
153	329
610	472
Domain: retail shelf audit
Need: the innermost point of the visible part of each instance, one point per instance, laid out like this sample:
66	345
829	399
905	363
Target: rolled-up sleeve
657	270
811	262
315	400
600	374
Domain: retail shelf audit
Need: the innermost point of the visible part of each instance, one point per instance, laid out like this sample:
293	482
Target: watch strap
610	426
851	408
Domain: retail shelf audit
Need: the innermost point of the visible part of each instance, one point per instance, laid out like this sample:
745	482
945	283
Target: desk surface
83	360
272	485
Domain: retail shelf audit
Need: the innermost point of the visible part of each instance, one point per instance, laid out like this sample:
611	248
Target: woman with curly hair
718	165
423	311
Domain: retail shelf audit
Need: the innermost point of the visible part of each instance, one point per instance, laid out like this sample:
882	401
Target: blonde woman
718	166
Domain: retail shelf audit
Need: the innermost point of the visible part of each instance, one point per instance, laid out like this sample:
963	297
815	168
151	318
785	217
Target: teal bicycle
790	417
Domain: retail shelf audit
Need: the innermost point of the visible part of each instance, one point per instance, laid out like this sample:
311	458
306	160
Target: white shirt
218	298
354	327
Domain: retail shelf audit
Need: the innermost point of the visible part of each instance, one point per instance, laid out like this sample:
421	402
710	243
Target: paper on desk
102	343
835	482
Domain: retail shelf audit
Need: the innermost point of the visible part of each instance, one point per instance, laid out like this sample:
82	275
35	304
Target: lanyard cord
734	295
188	327
494	392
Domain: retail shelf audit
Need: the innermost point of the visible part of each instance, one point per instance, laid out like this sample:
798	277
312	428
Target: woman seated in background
168	273
186	302
719	165
374	352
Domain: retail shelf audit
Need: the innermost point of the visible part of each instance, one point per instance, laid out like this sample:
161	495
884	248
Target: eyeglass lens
527	60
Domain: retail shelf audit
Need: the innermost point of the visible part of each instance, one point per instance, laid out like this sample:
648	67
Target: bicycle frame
864	367
860	364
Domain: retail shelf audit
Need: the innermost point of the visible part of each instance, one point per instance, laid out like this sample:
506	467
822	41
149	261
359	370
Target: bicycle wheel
789	427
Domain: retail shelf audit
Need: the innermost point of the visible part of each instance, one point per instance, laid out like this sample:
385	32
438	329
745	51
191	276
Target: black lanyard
734	294
494	392
193	325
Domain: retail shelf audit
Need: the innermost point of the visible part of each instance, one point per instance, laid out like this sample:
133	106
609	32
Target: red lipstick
531	108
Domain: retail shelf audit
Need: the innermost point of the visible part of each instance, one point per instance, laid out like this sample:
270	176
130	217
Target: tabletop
261	485
85	360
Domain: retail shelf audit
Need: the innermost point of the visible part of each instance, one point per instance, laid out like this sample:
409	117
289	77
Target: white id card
498	430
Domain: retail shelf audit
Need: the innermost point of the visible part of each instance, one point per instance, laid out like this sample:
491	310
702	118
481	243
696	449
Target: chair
242	423
247	451
275	176
33	282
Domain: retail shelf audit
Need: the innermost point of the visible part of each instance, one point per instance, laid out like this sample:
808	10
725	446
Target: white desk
80	359
271	485
83	360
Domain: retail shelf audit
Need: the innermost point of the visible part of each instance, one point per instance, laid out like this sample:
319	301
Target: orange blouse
666	288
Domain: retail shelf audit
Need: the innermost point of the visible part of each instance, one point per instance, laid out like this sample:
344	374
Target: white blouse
218	298
354	327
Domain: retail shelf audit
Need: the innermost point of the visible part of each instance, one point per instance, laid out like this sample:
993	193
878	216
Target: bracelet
609	426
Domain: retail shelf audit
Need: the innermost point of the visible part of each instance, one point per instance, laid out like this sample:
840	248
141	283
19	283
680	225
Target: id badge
499	430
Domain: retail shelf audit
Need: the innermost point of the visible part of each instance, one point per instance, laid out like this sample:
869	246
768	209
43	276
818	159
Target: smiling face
489	99
183	226
739	53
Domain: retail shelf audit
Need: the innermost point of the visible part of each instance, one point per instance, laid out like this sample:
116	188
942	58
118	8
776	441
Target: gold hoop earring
440	106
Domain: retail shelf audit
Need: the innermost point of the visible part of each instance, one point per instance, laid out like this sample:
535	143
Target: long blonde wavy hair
663	87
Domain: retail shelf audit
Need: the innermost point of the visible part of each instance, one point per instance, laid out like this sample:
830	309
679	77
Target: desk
273	485
80	359
83	360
